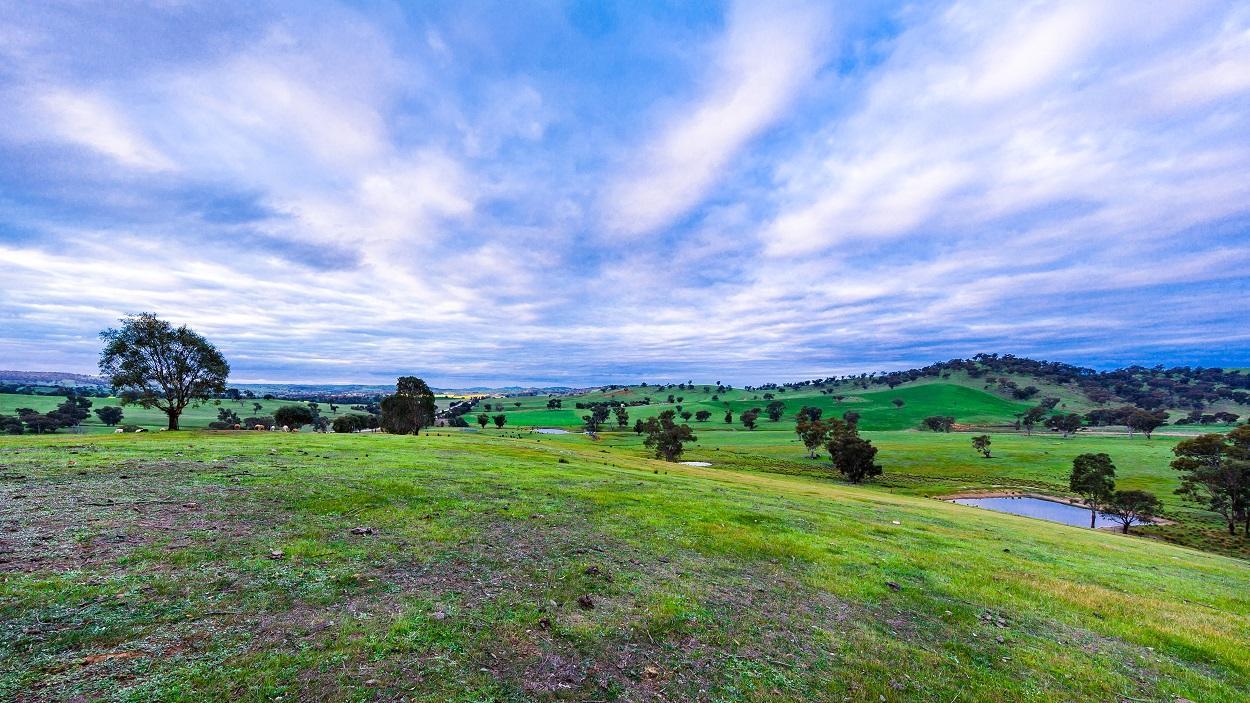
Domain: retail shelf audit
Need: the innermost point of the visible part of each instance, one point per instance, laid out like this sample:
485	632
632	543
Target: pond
550	430
1039	508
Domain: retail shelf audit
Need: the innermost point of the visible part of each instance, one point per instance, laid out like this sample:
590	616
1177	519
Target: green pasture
511	566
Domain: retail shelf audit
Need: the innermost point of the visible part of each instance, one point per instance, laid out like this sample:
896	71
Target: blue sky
583	192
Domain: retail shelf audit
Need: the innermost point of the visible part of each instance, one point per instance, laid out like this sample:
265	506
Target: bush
350	423
293	416
251	422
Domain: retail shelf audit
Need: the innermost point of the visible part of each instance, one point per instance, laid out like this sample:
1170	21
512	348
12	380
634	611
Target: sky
575	193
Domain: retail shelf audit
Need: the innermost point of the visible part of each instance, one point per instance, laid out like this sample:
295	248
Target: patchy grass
216	566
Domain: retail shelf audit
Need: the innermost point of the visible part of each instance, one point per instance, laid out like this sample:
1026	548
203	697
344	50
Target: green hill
877	411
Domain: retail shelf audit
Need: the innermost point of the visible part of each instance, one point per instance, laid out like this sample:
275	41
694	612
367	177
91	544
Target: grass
137	568
876	408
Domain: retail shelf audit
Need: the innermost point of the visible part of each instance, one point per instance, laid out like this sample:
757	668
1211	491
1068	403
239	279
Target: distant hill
50	378
1183	390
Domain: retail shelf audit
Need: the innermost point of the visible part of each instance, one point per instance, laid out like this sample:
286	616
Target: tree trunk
1126	527
173	418
1093	518
1232	527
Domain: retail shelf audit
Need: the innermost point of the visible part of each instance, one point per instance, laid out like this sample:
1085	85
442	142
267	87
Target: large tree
667	437
109	414
1146	421
1066	423
150	362
1032	417
815	432
853	456
981	443
410	408
749	418
1093	478
293	416
1215	473
1132	507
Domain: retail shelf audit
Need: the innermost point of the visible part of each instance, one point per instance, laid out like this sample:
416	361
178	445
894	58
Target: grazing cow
118	431
260	428
285	428
143	429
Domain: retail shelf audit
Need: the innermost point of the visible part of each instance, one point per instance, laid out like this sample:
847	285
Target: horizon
657	381
581	194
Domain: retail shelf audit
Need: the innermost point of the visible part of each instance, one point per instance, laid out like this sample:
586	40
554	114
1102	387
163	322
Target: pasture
505	565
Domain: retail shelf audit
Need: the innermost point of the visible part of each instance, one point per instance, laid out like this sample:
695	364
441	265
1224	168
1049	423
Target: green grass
876	408
727	583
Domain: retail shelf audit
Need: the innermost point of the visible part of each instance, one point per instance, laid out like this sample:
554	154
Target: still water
1038	508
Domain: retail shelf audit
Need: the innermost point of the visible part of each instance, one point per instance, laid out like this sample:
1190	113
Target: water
550	430
1041	509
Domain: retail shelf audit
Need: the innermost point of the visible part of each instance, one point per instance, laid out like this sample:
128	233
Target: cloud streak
743	193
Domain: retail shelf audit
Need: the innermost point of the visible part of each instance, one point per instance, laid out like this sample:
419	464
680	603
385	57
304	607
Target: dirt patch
102	517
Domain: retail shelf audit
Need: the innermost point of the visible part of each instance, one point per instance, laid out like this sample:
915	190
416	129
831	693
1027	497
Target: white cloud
94	122
767	55
982	112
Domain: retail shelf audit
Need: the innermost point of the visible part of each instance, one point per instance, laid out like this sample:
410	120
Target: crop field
505	565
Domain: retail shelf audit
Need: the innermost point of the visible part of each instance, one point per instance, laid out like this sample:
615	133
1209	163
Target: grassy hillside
876	409
936	464
139	568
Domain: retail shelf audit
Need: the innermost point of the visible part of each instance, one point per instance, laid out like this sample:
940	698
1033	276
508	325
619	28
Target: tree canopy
410	408
150	362
666	437
1093	478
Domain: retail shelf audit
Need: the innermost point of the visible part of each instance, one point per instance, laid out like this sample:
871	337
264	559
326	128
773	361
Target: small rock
893	586
362	530
190	506
277	554
650	672
895	522
439	615
585	602
371	682
1000	639
544	623
592	571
